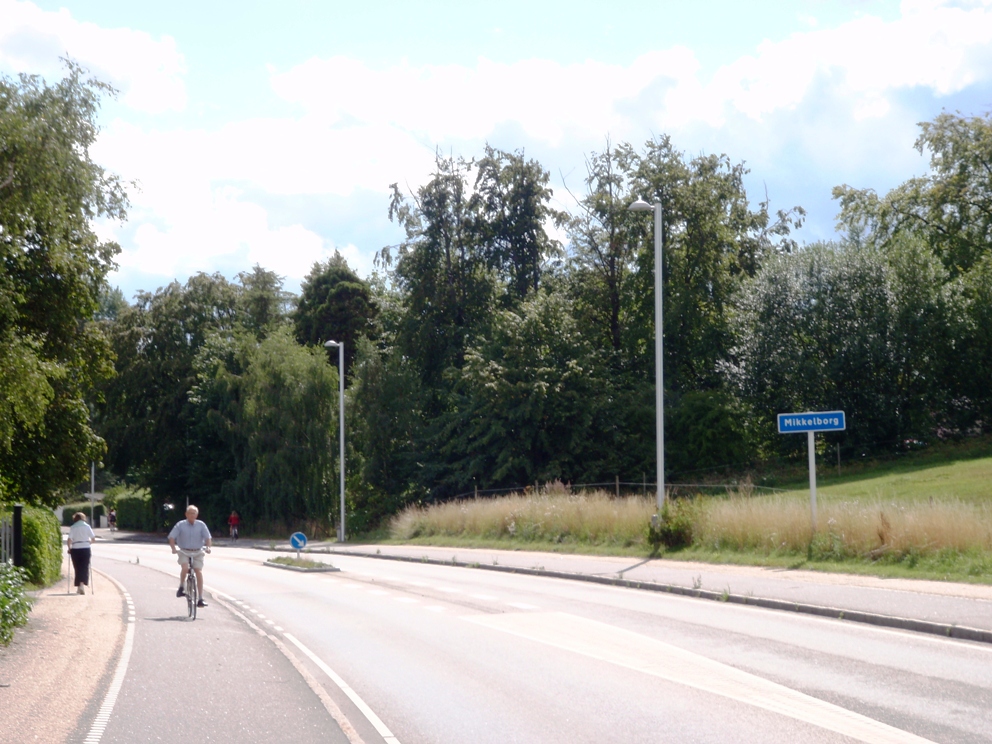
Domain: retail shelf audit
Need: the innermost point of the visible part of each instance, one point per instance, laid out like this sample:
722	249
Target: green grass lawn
911	480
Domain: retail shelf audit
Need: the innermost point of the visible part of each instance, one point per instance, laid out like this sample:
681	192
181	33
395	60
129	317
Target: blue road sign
298	540
799	423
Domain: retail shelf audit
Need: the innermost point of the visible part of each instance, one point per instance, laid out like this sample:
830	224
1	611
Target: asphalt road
413	653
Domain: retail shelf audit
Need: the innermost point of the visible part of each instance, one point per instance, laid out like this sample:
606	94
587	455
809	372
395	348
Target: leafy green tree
512	210
289	410
148	412
262	303
52	268
335	304
526	397
950	208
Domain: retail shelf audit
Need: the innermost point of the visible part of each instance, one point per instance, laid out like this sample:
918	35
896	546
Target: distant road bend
412	653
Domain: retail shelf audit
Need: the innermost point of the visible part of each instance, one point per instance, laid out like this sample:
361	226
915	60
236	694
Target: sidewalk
943	608
60	662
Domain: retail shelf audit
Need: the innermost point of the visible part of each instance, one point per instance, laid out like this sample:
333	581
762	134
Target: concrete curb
946	630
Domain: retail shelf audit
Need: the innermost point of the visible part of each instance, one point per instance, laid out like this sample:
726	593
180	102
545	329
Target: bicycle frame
192	587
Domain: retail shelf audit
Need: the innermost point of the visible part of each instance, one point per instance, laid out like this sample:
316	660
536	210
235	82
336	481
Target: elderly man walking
190	534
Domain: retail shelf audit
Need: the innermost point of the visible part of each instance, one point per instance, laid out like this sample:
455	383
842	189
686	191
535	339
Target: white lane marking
434	608
417	583
644	654
448	590
522	605
487	597
408	600
384	732
378	592
110	699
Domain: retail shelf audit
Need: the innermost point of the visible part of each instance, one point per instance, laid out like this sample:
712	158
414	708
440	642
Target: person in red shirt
232	522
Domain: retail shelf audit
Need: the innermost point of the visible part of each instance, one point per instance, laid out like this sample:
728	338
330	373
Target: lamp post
659	345
340	347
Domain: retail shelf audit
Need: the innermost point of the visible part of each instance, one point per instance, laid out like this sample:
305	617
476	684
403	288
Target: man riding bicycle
192	537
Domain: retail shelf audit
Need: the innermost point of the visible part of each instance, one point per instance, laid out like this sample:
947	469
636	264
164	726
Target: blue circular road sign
298	540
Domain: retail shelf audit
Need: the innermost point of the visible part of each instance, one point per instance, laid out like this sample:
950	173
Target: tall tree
951	207
52	267
262	304
335	304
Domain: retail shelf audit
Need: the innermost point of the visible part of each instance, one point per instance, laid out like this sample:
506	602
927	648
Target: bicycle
191	588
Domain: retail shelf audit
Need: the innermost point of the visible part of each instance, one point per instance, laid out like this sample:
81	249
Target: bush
14	604
135	511
674	529
82	506
42	546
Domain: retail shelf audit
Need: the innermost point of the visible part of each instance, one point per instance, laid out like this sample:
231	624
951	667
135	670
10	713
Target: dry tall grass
554	514
867	528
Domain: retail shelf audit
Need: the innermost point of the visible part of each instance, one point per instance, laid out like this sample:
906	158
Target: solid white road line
644	654
110	699
384	732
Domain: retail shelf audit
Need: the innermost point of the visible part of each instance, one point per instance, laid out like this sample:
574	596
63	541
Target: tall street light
659	346
340	347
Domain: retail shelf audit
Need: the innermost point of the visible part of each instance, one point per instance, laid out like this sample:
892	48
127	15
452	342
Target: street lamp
340	347
659	346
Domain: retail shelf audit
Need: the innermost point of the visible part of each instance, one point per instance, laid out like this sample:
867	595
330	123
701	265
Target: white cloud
148	72
826	105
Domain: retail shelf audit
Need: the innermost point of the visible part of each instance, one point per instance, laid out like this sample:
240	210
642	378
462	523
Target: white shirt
81	534
190	536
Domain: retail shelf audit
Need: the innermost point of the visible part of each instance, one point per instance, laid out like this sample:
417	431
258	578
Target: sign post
811	422
299	541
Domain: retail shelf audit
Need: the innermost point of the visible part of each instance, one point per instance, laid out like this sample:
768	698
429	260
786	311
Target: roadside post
299	541
810	423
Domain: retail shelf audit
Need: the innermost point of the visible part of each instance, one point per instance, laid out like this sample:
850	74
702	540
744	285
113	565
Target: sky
269	132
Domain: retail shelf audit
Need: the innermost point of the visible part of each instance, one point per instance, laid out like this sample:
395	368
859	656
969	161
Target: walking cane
68	573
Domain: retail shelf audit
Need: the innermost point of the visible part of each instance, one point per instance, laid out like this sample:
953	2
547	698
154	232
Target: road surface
411	653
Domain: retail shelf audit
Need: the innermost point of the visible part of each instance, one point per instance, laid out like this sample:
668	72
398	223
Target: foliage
673	530
82	506
135	511
52	267
14	603
335	304
951	207
42	545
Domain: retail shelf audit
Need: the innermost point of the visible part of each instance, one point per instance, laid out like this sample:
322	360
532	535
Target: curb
947	630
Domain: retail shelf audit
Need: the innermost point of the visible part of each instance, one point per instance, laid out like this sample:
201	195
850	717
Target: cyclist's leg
184	564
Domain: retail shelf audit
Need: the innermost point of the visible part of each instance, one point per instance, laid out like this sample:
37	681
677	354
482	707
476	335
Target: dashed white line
522	605
103	716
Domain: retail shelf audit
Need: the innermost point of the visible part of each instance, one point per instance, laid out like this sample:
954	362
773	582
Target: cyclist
233	521
190	534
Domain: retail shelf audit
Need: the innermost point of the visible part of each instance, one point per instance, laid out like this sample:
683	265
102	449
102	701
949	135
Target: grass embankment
926	518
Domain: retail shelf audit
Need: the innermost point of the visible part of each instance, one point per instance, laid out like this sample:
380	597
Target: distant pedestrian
233	522
80	539
112	520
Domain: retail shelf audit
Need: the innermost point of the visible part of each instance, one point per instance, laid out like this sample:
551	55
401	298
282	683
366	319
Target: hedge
82	506
14	603
136	512
42	545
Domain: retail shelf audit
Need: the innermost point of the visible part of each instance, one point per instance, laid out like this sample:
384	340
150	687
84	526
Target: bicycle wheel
191	594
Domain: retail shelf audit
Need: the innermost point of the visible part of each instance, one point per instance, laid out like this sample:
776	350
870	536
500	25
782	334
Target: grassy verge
931	522
285	560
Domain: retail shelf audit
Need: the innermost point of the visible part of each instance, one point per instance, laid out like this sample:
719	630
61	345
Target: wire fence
6	539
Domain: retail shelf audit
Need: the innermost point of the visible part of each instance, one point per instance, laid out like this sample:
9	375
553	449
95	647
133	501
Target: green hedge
42	546
82	506
136	512
14	604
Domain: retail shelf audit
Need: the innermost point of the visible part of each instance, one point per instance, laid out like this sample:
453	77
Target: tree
262	305
335	304
52	268
950	208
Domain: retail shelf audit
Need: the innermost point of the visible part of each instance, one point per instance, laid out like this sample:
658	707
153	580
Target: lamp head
640	206
331	344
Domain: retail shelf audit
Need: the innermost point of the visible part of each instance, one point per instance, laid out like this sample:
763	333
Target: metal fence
6	539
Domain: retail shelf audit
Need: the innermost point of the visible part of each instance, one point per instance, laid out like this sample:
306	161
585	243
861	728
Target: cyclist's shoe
180	592
201	603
